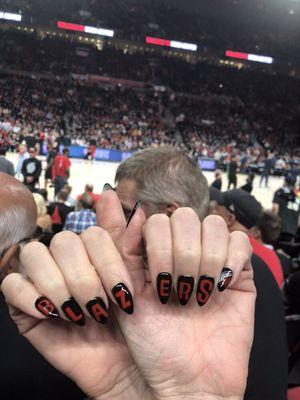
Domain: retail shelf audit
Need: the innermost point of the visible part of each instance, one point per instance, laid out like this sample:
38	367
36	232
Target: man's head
218	174
62	196
89	188
268	228
86	202
164	179
240	210
65	152
32	152
2	151
290	181
18	215
22	148
68	189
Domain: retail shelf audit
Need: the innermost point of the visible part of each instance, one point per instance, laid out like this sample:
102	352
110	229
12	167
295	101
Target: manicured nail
45	307
225	279
205	287
137	205
98	310
164	286
106	187
185	287
73	311
123	297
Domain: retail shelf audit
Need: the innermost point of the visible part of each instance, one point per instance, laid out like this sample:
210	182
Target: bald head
18	212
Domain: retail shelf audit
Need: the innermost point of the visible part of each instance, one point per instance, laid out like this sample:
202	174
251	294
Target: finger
186	230
133	250
80	276
237	272
214	243
109	265
159	247
21	294
41	268
110	215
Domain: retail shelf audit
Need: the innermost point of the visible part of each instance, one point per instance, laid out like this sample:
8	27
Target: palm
96	358
192	346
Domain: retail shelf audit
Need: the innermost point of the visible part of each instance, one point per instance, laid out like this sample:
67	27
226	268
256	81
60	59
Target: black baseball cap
242	204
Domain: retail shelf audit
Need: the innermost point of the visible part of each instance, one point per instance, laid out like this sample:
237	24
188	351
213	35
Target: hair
44	193
17	222
65	151
269	225
89	187
87	201
68	188
63	195
166	175
40	204
2	151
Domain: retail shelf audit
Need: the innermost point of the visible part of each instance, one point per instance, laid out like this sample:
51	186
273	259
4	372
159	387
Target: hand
191	351
95	357
29	179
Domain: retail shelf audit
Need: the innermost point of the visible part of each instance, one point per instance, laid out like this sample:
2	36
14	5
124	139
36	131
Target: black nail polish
164	286
106	187
204	289
123	297
185	287
45	307
225	279
73	311
98	310
137	205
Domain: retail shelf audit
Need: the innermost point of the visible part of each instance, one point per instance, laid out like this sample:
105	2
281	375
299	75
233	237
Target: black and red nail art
204	289
123	297
185	287
46	307
73	311
164	286
98	310
225	279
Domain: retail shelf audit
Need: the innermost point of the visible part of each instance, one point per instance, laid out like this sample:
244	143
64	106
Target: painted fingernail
106	187
46	307
123	297
225	279
185	287
73	311
164	286
98	310
137	205
205	287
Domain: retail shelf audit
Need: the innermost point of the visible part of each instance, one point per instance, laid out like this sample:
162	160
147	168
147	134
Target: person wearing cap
287	206
31	170
242	212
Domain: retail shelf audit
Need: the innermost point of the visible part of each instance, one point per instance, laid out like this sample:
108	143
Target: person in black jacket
31	170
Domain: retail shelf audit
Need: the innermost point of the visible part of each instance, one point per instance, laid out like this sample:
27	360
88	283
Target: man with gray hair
24	373
164	179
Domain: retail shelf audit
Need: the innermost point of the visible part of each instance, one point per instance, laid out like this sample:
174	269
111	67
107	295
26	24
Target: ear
256	233
231	220
9	261
170	208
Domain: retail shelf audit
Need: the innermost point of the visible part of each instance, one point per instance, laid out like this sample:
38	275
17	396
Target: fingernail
73	311
98	310
106	187
185	287
137	205
164	286
225	279
46	307
205	287
123	297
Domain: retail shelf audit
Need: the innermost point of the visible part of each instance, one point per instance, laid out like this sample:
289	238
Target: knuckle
62	239
187	254
212	259
30	250
157	219
11	283
215	220
186	212
95	233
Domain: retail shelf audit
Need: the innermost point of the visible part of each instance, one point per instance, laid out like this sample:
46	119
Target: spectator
43	219
31	170
267	168
23	155
165	179
217	183
51	154
19	361
248	187
59	211
71	202
79	221
89	189
61	170
287	205
6	166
